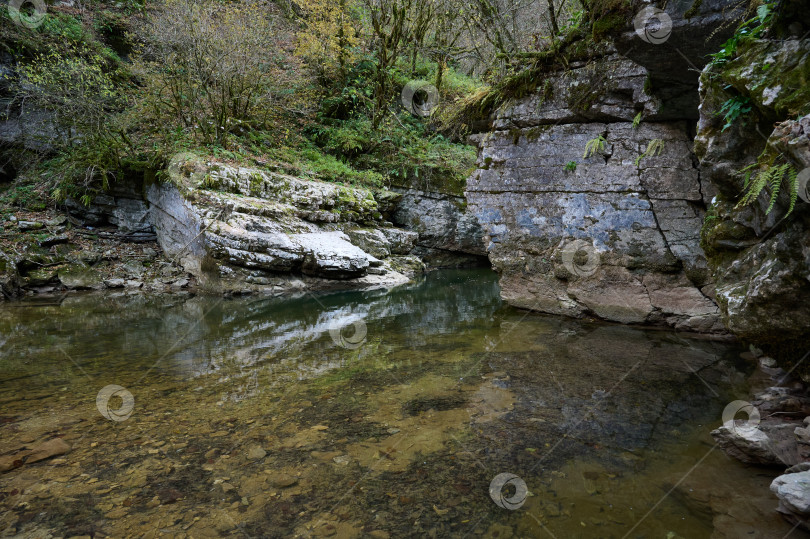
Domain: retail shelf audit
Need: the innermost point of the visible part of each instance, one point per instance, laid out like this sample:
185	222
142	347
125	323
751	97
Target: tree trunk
553	16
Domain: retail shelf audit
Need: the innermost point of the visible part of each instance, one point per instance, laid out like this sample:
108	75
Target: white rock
793	490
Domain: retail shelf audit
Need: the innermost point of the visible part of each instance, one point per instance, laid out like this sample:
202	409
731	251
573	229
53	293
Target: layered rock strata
239	229
614	234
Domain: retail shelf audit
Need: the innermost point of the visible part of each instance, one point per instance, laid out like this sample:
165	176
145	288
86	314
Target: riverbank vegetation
103	92
106	91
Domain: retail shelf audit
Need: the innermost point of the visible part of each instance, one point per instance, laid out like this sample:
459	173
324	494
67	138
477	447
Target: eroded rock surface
240	229
613	234
448	234
760	261
793	491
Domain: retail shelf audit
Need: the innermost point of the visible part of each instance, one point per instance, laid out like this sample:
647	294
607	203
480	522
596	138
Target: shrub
209	66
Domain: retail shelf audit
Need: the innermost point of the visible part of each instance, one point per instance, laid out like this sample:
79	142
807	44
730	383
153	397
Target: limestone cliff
239	229
760	260
614	234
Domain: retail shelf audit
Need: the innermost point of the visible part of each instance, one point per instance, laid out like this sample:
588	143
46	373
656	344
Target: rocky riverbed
259	417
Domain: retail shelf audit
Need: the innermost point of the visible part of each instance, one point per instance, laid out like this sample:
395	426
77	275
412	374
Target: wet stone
281	480
256	453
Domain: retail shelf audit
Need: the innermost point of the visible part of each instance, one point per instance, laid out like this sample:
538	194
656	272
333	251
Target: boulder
330	255
793	492
238	229
372	241
401	241
746	444
81	277
752	445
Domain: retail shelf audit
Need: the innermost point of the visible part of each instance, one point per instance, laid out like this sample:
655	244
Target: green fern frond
637	120
654	147
594	146
771	177
793	180
774	182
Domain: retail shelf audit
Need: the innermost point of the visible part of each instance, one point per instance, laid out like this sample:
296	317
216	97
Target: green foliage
23	195
637	120
206	68
571	166
654	147
309	161
220	79
594	146
749	30
758	177
77	89
402	149
80	93
734	108
575	21
65	27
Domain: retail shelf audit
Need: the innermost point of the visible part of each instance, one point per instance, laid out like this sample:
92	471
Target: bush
208	66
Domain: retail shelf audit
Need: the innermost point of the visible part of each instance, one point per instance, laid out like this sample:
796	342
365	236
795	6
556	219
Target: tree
329	37
390	25
209	66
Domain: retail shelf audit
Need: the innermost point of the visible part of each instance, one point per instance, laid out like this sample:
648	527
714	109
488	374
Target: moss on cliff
532	70
775	76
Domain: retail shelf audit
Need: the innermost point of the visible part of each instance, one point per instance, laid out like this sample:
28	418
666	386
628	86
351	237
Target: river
366	414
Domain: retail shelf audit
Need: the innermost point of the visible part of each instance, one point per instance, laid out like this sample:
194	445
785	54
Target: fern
655	147
637	120
594	146
771	177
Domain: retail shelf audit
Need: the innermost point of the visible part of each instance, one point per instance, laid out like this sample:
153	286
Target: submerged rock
24	456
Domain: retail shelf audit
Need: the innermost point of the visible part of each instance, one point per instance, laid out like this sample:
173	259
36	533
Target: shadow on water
369	414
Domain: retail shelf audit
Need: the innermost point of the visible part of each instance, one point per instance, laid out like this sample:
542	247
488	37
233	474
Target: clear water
366	414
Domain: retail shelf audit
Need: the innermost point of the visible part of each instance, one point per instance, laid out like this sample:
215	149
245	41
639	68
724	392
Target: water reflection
252	418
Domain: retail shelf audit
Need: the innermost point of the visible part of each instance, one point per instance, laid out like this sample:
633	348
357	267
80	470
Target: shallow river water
365	414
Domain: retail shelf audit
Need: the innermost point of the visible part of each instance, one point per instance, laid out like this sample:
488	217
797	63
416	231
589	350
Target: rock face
448	235
239	229
760	261
122	206
697	29
615	234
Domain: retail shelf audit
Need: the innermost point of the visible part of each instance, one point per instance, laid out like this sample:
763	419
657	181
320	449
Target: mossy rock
774	75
